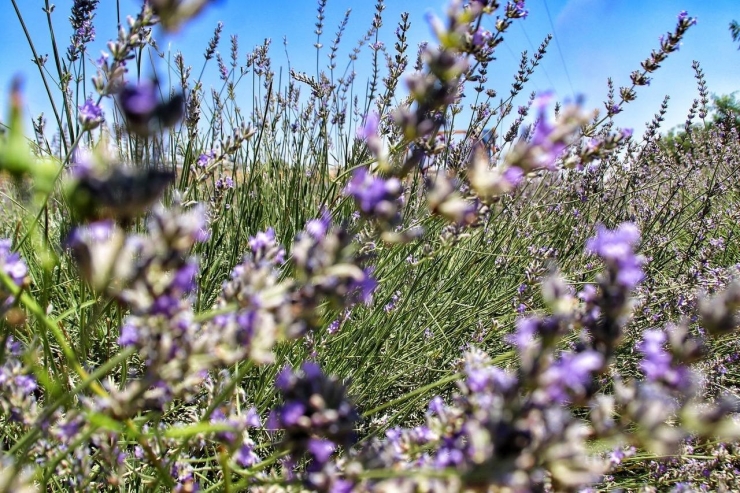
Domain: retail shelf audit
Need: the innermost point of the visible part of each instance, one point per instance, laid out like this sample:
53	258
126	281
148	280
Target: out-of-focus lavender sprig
327	267
316	416
154	276
548	140
145	112
110	76
173	14
264	310
624	272
90	115
18	403
379	200
259	302
15	268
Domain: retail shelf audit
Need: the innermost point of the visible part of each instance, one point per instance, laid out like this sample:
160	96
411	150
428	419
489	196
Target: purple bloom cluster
616	249
81	19
238	439
375	197
326	266
315	417
145	112
12	266
260	313
658	365
17	400
90	115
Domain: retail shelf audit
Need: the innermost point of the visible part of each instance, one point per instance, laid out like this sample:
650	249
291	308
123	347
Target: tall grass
99	417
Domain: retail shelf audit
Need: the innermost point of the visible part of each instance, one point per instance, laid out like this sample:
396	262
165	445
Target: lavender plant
212	304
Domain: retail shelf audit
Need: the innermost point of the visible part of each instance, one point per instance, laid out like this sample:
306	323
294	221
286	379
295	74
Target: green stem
62	77
41	71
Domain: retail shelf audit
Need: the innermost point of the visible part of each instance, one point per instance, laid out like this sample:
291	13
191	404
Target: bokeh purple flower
90	115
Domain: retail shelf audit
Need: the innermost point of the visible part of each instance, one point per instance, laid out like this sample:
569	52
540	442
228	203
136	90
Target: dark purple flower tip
321	449
129	335
253	418
291	412
90	115
311	371
317	228
285	379
363	288
166	305
683	17
516	10
184	280
139	101
370	128
245	456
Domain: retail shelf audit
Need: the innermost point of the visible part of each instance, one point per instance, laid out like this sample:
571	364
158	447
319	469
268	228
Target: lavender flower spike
90	115
616	248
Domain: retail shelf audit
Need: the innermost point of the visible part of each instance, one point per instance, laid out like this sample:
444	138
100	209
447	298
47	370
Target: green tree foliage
724	112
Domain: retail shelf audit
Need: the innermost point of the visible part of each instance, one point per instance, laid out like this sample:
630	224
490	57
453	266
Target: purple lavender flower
616	248
516	10
205	158
526	330
361	290
571	374
12	264
138	102
657	363
245	456
391	305
226	183
315	410
683	17
83	12
265	247
371	192
90	115
481	37
549	149
370	128
318	228
129	335
334	326
513	175
144	111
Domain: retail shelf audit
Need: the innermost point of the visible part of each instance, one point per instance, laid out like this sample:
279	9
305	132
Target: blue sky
594	39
